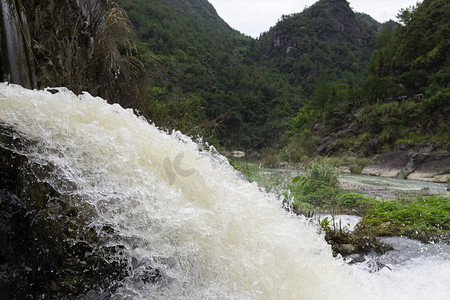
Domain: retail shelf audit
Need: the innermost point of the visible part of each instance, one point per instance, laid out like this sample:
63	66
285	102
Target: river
179	207
376	186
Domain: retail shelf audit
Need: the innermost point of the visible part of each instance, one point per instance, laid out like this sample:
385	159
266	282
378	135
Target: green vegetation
326	72
355	164
326	78
326	44
404	99
195	60
324	81
422	213
91	49
354	201
317	191
245	93
253	173
424	218
317	187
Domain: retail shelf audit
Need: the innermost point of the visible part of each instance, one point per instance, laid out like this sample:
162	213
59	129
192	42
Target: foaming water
176	207
412	271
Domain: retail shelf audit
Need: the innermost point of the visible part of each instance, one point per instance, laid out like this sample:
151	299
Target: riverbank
386	206
370	185
431	166
426	219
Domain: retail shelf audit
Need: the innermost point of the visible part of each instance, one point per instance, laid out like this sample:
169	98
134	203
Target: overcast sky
253	17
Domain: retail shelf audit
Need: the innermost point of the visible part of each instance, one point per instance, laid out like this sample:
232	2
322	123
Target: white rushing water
185	211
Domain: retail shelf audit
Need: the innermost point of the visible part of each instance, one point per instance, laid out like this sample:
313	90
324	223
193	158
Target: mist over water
179	207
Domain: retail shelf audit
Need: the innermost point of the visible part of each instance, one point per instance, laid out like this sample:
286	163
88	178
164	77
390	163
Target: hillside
197	78
418	54
403	105
205	78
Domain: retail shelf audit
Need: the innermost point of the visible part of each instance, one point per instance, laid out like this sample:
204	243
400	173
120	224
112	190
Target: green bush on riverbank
418	214
354	201
318	187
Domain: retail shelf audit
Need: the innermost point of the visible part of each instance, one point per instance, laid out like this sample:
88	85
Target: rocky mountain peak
330	21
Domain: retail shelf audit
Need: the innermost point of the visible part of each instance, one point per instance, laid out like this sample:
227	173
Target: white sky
253	17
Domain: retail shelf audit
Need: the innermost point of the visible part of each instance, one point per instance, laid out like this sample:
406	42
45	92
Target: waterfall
178	206
15	36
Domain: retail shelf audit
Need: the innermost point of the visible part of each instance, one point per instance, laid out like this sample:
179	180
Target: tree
322	92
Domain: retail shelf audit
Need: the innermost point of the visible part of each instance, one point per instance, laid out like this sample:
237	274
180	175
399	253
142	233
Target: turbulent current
179	207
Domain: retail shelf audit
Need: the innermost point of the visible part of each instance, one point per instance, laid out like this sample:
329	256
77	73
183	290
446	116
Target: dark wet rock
355	258
376	266
348	243
346	248
48	247
58	43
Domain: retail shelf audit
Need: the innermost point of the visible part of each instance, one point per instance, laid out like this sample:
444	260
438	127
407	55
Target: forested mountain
207	78
327	78
327	39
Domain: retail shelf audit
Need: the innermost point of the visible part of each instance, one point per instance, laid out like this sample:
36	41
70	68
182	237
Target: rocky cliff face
84	45
17	65
327	21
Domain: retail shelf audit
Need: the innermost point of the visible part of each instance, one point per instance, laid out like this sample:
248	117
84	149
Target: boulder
388	165
317	127
431	167
327	145
327	148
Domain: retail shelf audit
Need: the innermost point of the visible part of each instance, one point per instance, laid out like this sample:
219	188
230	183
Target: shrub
319	185
269	158
302	145
353	200
420	214
356	169
324	172
250	171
